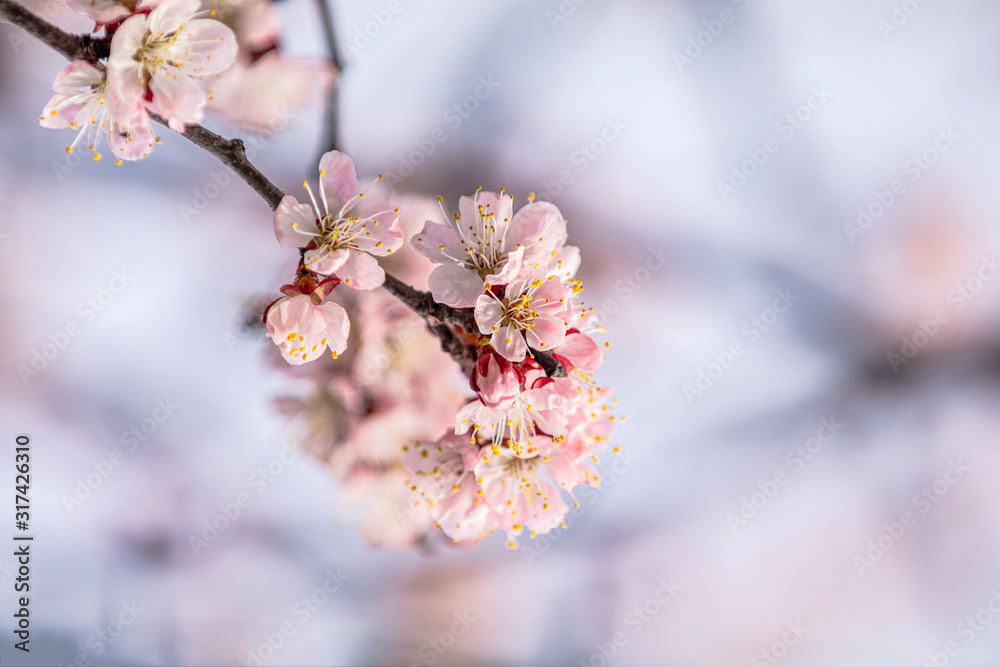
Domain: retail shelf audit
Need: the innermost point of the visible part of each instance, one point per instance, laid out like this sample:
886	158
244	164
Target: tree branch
232	153
74	47
424	305
332	112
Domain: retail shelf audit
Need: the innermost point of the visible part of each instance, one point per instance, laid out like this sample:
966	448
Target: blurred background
788	221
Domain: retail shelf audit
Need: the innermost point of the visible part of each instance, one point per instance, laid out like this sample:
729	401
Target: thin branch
439	316
74	47
453	344
332	102
424	305
232	153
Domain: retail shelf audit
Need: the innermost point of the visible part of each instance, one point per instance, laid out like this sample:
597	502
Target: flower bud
496	379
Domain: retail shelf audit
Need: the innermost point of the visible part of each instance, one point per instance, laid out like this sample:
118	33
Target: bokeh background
670	97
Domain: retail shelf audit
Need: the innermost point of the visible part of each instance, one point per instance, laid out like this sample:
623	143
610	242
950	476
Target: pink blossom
486	245
168	53
519	494
84	102
535	411
263	93
381	499
578	350
107	11
303	327
340	239
444	479
496	380
532	313
255	22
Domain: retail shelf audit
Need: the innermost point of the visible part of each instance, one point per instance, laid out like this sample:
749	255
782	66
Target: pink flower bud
496	380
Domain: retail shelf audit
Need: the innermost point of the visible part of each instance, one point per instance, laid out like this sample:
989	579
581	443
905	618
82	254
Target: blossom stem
232	153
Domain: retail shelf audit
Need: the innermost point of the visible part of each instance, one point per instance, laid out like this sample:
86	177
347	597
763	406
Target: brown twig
332	111
74	47
232	153
424	305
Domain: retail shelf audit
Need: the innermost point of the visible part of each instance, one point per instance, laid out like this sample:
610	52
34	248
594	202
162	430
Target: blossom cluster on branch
495	442
174	59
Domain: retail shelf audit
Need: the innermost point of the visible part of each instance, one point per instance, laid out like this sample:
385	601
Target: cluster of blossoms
388	410
518	449
175	58
510	455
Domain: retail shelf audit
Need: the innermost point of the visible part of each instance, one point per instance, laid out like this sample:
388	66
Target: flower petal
439	243
455	285
326	261
170	15
546	333
124	71
293	222
383	238
509	342
565	262
133	138
215	51
361	271
338	325
511	269
581	351
77	74
339	180
177	98
540	227
489	313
